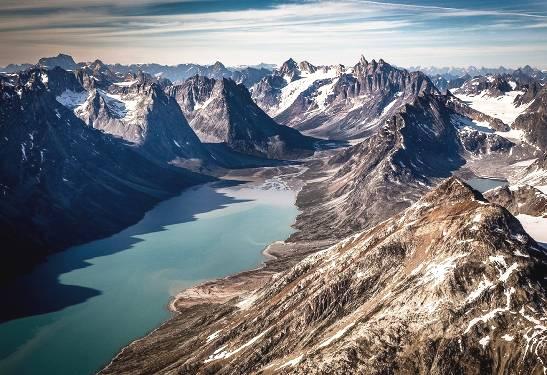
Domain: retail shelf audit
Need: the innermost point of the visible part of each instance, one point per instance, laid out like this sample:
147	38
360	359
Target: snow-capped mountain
61	60
443	83
222	111
137	111
453	72
507	98
178	73
535	174
63	182
533	121
247	75
520	199
453	284
336	102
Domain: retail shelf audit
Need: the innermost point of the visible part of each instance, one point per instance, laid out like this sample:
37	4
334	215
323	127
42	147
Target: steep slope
533	122
336	102
137	111
535	174
384	174
62	182
451	285
221	111
502	97
523	199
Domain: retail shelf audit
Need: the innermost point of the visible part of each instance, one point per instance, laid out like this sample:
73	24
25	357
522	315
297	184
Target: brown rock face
451	285
520	200
384	174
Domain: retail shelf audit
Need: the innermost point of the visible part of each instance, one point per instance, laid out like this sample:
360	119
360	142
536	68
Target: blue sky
404	32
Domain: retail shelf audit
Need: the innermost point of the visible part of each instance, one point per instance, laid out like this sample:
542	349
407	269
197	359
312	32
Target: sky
407	33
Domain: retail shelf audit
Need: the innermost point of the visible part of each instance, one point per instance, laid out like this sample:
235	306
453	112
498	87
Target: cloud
237	31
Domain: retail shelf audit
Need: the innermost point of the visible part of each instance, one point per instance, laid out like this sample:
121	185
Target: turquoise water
205	233
484	184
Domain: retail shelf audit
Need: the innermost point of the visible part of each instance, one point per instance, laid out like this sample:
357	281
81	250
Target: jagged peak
289	65
290	61
218	65
306	66
97	62
453	190
59	56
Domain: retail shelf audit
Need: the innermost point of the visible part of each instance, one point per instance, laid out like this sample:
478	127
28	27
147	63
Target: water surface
121	285
484	184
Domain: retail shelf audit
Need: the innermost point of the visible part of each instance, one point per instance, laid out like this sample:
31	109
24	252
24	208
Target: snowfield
535	226
501	107
293	89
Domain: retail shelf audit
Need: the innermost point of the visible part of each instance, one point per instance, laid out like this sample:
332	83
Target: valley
301	219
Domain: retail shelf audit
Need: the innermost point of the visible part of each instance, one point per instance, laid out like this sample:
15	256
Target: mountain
384	174
14	68
533	121
535	174
246	75
221	111
452	72
64	182
137	111
451	285
336	102
61	60
179	73
444	83
517	100
522	199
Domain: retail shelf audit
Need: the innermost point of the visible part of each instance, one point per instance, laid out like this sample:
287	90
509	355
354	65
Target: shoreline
278	255
236	285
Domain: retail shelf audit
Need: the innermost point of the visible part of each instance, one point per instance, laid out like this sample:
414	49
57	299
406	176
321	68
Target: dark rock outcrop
64	183
221	111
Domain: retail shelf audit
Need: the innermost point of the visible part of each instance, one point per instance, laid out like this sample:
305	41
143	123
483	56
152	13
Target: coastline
222	294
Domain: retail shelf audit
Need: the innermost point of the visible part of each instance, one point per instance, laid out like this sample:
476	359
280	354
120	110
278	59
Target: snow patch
501	107
535	226
72	99
213	336
484	341
483	285
336	336
126	84
508	272
292	362
222	354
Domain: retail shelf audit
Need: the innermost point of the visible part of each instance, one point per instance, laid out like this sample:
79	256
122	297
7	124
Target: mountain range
397	265
222	111
450	285
88	141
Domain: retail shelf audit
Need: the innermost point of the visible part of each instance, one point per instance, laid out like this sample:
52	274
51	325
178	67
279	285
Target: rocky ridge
221	111
336	102
452	284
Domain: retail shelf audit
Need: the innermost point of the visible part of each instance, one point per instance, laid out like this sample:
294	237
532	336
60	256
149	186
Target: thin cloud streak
318	30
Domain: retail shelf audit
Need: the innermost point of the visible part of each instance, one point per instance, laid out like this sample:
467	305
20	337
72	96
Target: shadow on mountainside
40	291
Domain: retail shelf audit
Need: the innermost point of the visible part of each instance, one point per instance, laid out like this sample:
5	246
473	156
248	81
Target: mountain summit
336	102
221	111
451	285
